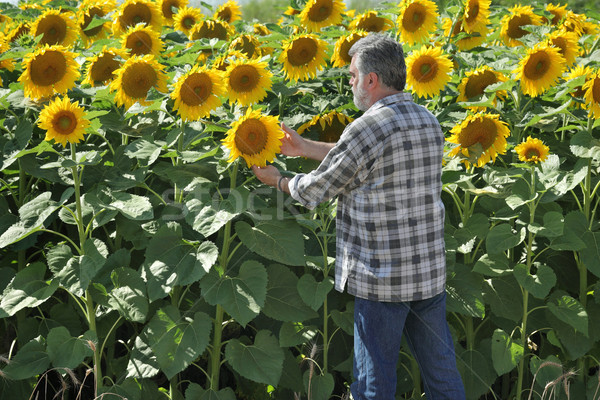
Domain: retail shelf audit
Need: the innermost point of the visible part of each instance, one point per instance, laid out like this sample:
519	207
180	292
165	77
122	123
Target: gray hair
379	53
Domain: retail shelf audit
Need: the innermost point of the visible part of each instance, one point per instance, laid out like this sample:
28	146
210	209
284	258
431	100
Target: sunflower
140	40
369	21
512	23
573	22
592	95
329	126
428	71
133	12
101	67
476	16
247	44
260	29
64	121
211	29
342	46
416	20
575	73
247	81
567	43
88	9
186	18
467	40
8	63
222	60
475	82
56	28
558	13
229	12
49	70
170	7
540	69
318	14
302	56
198	92
480	138
18	30
254	137
135	78
532	150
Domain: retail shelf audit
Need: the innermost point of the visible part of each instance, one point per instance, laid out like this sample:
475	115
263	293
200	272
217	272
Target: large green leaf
464	292
170	261
177	340
261	361
545	371
131	206
64	350
521	194
476	372
504	297
345	319
142	362
283	301
277	240
291	376
207	219
197	392
129	294
243	296
318	387
538	284
312	292
144	151
584	145
552	227
27	289
502	238
492	265
295	333
31	360
506	354
570	311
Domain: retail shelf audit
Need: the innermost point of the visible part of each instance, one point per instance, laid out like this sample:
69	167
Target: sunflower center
244	78
320	11
102	70
532	154
64	122
188	22
196	89
48	68
514	26
303	51
53	28
139	43
136	13
482	131
472	12
425	69
138	79
596	90
537	66
251	137
87	19
477	83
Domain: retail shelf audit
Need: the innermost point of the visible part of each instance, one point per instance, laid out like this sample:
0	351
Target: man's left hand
268	175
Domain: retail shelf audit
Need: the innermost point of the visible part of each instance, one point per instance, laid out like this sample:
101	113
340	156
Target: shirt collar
393	98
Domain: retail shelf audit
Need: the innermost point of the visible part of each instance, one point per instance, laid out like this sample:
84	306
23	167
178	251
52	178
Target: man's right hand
292	143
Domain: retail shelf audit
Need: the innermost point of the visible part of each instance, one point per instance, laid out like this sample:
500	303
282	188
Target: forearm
316	150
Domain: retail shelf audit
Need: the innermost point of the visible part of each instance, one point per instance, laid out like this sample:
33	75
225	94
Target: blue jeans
378	329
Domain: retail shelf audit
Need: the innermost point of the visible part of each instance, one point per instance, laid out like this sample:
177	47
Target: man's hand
292	144
268	175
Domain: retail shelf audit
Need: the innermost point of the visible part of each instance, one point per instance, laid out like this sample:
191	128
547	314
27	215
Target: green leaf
505	353
570	311
283	301
553	225
545	371
277	240
464	292
492	265
197	392
177	340
538	284
318	387
129	295
26	290
502	238
295	333
584	145
291	375
312	292
31	360
260	362
575	228
64	350
142	360
207	219
521	194
144	151
242	296
476	372
504	297
590	255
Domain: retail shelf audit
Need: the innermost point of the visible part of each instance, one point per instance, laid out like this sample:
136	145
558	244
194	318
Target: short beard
360	99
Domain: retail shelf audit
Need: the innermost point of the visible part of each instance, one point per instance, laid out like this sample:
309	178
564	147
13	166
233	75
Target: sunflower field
140	258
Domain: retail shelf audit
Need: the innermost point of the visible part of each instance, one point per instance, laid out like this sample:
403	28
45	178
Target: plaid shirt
386	172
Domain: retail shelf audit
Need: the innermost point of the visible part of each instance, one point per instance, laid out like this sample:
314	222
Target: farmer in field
386	173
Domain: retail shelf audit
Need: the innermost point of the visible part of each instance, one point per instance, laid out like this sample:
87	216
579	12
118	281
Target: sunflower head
340	55
64	121
49	70
6	63
416	20
260	29
170	7
329	127
88	9
513	23
558	13
55	27
540	69
532	150
591	95
247	44
428	71
186	18
477	13
371	22
475	83
254	137
302	56
567	43
133	12
318	14
575	73
16	31
480	138
198	92
247	81
229	12
134	79
211	29
101	67
468	40
140	40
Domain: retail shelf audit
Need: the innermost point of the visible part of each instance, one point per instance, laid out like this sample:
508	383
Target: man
386	173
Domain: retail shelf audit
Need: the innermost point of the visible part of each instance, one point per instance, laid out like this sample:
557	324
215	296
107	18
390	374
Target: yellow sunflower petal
101	67
247	81
133	12
64	121
329	126
540	69
532	150
88	9
342	46
592	95
135	78
170	7
370	21
254	137
186	18
428	70
513	23
229	12
567	43
477	13
468	40
140	40
318	14
198	92
56	28
416	20
302	56
475	82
